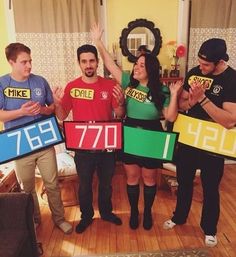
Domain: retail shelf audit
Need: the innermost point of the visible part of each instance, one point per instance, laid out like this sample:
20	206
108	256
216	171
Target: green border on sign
147	143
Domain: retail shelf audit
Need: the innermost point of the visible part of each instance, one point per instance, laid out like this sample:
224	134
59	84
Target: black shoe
111	217
83	224
147	220
133	220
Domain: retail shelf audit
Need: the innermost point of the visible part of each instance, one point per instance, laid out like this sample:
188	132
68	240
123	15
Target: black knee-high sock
149	196
133	196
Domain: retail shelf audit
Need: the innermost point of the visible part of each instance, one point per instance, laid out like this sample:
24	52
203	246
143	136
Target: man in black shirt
209	94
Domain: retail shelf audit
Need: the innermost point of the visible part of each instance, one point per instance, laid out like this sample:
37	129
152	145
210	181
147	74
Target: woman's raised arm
96	33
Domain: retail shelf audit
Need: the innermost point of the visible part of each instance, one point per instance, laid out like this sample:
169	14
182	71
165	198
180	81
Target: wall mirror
140	32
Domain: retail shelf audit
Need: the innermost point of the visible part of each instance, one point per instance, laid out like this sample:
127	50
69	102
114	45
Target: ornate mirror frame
139	23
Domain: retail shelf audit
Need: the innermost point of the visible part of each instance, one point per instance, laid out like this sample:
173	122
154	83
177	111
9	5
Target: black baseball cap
213	50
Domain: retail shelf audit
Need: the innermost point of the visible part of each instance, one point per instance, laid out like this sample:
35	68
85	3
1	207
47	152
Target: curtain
54	29
212	19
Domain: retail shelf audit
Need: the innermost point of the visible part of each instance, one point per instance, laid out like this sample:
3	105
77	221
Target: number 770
99	129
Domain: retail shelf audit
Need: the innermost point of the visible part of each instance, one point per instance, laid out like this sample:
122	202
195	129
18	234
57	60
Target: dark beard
89	74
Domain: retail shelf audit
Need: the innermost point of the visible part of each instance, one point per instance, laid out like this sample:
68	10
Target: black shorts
145	162
142	162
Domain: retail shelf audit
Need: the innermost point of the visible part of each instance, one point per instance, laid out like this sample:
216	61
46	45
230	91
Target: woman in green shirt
147	100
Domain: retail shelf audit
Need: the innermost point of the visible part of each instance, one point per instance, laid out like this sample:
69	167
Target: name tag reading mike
92	136
29	138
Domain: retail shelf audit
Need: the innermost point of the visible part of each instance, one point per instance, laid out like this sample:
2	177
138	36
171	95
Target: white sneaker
66	227
210	241
169	224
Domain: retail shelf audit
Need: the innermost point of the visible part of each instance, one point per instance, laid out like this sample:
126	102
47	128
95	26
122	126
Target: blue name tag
29	138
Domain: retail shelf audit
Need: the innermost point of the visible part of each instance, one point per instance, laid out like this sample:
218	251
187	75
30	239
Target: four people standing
216	102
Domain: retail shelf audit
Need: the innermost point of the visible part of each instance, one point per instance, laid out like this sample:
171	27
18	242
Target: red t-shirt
90	101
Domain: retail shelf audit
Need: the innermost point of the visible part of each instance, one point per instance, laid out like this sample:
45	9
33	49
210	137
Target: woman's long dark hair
152	66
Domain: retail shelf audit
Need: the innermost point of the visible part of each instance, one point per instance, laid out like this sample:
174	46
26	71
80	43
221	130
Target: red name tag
92	136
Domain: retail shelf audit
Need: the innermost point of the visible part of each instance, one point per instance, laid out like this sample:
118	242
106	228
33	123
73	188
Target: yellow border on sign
206	135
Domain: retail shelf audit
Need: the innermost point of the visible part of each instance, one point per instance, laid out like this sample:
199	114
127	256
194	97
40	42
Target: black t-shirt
219	89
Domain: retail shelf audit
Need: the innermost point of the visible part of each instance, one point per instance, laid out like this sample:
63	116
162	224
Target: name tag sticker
204	82
206	135
153	144
20	93
136	94
92	136
82	93
29	138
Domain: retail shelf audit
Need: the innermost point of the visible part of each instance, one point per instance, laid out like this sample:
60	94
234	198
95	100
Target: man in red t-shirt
92	98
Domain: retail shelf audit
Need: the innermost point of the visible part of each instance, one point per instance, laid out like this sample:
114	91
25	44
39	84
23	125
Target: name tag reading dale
92	136
29	138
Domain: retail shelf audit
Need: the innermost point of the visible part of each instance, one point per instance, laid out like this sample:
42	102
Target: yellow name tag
205	82
136	94
82	93
206	135
14	92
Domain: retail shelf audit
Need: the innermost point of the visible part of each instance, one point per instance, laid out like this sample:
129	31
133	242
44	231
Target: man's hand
30	108
58	93
196	93
119	95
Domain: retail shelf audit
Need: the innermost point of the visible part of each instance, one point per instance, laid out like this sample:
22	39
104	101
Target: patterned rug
172	253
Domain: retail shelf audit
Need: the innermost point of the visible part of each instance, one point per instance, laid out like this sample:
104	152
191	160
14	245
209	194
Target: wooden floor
103	237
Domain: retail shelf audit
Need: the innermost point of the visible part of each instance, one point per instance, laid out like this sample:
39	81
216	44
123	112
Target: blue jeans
86	164
212	168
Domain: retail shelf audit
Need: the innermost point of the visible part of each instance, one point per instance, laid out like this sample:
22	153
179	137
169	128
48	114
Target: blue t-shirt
14	93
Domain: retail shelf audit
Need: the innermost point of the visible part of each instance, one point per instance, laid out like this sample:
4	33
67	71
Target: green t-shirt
137	104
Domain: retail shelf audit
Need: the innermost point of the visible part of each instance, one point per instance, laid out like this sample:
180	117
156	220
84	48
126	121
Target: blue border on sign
9	147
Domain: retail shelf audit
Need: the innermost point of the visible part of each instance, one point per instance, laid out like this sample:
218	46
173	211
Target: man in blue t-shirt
25	97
